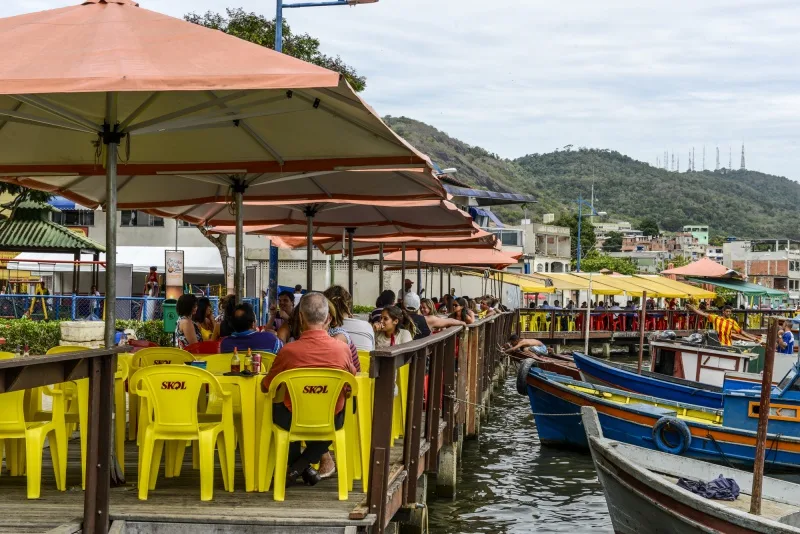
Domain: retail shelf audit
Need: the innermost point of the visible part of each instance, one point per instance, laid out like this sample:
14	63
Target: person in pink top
315	348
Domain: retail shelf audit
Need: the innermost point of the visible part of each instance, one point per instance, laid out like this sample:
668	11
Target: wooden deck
177	500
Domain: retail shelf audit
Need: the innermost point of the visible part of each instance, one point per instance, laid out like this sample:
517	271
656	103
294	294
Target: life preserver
675	426
522	376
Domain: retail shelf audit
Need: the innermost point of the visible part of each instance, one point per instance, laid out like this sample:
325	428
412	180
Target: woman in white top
361	332
393	328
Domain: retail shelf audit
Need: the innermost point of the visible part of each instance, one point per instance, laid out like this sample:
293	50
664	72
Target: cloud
518	77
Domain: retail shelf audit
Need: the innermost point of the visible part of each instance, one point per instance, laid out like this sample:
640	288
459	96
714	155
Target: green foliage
716	240
733	203
680	261
649	227
149	330
588	238
613	242
39	335
359	309
261	31
595	262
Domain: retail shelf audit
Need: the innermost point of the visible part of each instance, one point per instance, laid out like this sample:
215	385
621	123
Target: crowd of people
320	330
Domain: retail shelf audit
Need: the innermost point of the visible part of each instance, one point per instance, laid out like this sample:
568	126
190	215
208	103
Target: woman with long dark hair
204	319
394	328
186	331
461	312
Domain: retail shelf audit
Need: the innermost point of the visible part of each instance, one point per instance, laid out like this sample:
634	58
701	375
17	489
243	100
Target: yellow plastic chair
312	420
365	399
122	374
32	435
400	401
171	392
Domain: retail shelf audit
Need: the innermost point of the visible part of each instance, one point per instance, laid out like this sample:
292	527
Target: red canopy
471	257
704	268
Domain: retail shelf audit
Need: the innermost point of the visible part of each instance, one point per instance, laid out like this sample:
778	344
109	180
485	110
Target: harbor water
509	483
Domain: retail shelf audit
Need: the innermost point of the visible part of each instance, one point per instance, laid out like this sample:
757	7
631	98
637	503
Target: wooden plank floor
175	499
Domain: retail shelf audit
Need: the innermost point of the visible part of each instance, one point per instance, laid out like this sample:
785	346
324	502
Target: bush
43	335
359	309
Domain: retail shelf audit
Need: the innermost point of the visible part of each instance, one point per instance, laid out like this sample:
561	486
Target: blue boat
655	384
668	426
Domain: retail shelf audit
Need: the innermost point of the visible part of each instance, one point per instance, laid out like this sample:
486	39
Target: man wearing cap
411	304
407	285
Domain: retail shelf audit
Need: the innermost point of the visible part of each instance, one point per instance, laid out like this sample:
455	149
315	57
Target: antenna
689	167
743	165
666	160
673	161
704	157
693	160
717	167
678	168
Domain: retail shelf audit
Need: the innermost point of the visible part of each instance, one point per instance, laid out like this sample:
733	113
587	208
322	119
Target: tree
21	194
261	31
680	261
588	239
613	242
649	227
595	262
716	240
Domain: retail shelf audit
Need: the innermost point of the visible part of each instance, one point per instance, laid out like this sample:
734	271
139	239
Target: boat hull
556	409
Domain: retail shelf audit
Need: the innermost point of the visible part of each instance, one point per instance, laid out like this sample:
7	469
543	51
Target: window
140	218
74	217
184	224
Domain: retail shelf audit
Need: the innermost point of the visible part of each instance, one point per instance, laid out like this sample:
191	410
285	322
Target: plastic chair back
161	356
314	393
172	392
62	349
5	355
365	359
12	412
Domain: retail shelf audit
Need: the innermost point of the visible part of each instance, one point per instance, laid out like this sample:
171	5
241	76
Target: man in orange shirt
726	326
315	348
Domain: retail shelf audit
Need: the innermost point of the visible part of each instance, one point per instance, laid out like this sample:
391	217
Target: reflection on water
508	483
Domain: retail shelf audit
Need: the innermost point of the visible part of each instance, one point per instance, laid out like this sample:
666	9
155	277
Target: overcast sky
525	76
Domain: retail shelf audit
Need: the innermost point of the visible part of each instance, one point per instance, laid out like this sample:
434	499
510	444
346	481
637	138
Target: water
509	483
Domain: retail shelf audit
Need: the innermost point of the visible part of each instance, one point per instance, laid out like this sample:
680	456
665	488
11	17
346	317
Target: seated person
315	348
246	336
530	345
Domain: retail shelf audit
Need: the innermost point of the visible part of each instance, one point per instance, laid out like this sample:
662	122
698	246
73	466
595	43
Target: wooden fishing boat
678	428
643	496
701	363
562	364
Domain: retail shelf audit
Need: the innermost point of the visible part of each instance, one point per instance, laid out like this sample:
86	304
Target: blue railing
84	307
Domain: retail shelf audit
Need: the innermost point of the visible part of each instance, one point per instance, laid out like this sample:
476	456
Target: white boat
705	363
642	494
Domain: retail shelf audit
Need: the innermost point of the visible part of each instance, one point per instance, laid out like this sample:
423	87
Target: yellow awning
574	281
526	283
630	286
689	290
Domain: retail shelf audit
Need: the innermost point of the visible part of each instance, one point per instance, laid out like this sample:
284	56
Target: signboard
173	262
230	275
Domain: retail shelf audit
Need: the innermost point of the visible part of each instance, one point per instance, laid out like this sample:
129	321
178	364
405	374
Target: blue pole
580	216
279	26
74	307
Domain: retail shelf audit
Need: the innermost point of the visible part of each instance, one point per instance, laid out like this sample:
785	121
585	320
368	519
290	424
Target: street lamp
581	204
281	5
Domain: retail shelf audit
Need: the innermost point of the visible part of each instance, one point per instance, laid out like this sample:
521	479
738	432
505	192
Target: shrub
149	330
359	309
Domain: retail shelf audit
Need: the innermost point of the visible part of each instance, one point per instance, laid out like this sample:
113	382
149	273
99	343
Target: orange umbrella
704	268
181	99
470	257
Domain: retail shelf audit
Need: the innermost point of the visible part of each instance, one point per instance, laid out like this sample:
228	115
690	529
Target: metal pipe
75	274
380	268
642	319
238	277
419	271
402	272
763	417
310	248
350	281
441	284
450	281
112	143
279	26
578	244
588	318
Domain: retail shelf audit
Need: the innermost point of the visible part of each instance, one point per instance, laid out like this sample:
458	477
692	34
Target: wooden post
763	417
642	319
383	403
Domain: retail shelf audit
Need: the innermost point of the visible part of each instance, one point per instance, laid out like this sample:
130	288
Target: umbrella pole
238	279
419	271
310	248
449	282
350	285
402	272
111	140
588	317
380	268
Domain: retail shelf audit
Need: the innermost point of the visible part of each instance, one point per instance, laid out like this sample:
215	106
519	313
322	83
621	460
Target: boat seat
660	411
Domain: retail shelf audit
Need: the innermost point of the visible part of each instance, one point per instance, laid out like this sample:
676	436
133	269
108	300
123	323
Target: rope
479	406
719	449
774	449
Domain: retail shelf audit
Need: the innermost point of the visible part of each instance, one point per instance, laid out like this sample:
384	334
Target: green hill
733	203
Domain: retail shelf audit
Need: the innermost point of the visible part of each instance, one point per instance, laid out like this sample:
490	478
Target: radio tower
666	160
678	167
743	166
693	160
689	166
717	168
673	161
730	158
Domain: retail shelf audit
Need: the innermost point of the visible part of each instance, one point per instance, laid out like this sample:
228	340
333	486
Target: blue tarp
497	198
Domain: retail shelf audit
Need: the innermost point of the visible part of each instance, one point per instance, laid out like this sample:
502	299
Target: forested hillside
732	203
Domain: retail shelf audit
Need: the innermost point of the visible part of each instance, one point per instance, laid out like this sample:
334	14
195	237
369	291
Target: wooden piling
763	417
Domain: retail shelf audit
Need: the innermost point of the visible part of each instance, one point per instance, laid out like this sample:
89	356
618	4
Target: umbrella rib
423	183
288	178
313	181
185	111
58	111
16	107
138	111
205	121
252	133
355	122
388	219
25	118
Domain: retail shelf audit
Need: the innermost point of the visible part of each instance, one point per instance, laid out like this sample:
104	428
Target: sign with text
230	274
173	267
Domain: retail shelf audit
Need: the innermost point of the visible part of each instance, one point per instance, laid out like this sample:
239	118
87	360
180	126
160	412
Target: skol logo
314	390
173	385
162	362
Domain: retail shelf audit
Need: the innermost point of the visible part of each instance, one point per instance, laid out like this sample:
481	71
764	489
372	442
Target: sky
528	76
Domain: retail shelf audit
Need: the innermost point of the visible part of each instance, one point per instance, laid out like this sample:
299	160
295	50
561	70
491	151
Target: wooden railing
98	366
460	364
